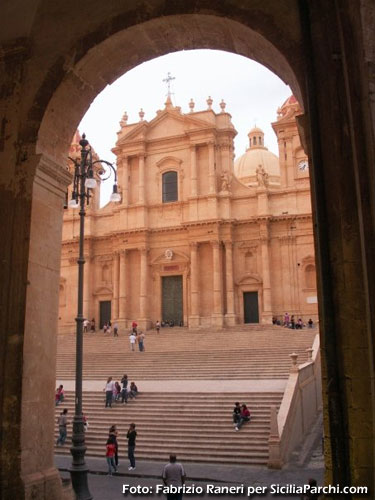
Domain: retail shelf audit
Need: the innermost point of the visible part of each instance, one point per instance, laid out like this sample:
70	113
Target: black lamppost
83	182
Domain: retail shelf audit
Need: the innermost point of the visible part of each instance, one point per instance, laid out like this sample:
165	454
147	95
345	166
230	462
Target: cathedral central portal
172	302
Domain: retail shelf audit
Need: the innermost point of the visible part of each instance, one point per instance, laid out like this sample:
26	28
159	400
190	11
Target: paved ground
147	475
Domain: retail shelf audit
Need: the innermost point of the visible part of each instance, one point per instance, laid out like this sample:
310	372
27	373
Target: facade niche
310	276
250	262
106	274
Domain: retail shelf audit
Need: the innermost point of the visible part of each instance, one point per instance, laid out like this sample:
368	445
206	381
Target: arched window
255	141
310	276
170	187
260	141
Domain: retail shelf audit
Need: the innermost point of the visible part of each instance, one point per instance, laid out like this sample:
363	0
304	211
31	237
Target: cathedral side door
172	305
251	307
105	312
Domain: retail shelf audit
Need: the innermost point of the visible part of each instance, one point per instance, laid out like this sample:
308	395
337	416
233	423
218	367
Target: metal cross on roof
168	82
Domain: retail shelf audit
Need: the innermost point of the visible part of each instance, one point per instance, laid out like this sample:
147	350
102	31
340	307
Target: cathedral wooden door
105	312
251	308
172	308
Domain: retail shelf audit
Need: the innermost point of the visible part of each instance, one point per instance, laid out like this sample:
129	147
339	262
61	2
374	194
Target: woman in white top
109	392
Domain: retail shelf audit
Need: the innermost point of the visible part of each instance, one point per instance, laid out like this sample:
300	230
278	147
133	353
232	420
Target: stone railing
301	403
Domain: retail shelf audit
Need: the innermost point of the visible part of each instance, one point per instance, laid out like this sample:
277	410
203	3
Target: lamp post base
78	475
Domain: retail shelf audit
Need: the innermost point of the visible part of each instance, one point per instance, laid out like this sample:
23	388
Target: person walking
110	456
109	392
131	435
132	339
115	330
134	327
59	396
157	326
62	420
174	475
93	325
141	341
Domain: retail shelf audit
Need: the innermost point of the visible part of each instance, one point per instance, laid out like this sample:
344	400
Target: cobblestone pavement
206	476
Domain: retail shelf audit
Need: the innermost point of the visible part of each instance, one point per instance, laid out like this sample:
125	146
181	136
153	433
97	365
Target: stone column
122	290
143	322
125	181
32	441
194	286
284	247
211	168
141	179
230	317
267	297
115	284
217	316
193	166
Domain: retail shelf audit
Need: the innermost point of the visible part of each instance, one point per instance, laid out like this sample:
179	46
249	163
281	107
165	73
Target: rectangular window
170	187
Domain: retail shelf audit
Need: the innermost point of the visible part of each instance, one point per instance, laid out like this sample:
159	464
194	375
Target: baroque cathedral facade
198	238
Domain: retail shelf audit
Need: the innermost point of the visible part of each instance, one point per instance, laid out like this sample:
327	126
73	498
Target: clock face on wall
303	165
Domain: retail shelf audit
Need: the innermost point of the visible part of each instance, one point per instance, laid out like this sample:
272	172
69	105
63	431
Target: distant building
198	239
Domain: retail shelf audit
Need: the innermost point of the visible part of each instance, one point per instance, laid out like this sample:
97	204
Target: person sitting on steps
244	417
236	413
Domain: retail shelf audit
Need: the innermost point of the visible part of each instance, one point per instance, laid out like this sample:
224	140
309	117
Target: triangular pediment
171	123
137	133
167	123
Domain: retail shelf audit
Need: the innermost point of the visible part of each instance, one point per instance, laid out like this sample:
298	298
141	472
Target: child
110	455
59	396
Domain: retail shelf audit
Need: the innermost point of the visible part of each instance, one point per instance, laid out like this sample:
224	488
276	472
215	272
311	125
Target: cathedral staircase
196	426
247	352
195	423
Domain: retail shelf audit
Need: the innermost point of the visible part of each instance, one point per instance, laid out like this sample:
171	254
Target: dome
245	167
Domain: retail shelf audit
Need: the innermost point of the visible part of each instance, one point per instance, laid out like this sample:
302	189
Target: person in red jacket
244	417
110	456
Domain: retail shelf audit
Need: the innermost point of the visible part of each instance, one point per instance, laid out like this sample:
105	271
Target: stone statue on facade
225	181
262	176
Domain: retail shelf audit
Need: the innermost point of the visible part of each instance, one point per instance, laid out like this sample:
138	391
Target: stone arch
294	42
126	47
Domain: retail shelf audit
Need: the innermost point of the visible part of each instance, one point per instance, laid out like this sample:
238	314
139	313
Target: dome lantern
256	138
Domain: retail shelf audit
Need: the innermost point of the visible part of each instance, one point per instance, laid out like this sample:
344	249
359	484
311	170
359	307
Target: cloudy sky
252	94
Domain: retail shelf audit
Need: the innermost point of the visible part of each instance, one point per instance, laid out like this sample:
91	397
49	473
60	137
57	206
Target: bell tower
293	159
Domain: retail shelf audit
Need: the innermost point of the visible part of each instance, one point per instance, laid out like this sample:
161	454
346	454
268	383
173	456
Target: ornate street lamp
83	182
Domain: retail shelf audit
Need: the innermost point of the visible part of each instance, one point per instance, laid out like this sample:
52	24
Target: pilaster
217	316
230	317
194	287
122	290
115	281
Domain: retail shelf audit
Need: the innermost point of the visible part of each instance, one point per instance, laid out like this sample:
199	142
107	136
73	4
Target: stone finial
191	105
124	119
294	357
222	105
209	102
141	114
309	351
